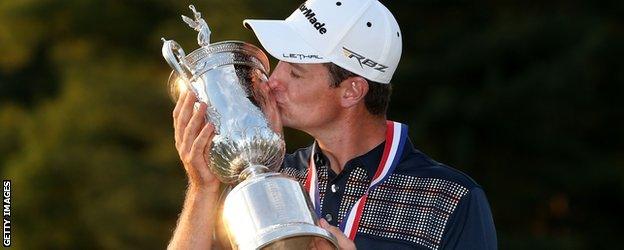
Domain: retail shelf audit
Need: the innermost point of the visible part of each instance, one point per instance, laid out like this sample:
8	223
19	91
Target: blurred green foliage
525	96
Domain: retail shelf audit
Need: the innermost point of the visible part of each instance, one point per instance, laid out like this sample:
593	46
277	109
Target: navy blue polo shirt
422	205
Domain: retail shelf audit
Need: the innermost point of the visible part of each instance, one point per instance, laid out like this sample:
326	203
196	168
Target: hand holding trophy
265	209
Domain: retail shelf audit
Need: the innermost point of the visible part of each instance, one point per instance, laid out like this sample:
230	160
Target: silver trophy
264	209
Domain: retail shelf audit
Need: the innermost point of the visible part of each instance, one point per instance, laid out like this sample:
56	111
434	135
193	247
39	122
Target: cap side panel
340	37
283	43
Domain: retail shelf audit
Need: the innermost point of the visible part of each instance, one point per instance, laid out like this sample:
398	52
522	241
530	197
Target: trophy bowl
264	209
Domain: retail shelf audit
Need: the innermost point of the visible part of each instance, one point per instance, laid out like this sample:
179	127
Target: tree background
525	96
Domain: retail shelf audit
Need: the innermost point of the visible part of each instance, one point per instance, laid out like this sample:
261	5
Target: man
372	188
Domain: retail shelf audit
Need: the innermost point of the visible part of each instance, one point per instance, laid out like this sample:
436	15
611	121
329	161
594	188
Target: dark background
524	96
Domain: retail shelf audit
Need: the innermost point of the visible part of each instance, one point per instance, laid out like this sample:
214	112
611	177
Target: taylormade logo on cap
309	14
361	36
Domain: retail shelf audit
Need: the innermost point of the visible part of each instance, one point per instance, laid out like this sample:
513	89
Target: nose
276	80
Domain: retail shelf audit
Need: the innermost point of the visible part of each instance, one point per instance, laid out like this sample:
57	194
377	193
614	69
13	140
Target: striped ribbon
312	183
396	136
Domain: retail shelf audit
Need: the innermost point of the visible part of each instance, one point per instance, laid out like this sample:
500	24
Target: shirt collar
368	161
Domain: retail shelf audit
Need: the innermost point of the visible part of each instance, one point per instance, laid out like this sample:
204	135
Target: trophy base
271	211
293	236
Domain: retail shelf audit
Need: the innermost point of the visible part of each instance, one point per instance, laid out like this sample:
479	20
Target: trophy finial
199	25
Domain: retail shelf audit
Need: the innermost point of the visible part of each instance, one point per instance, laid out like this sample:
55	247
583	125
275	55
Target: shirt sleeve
471	226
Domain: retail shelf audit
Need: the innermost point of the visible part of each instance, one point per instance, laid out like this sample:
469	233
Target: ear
354	90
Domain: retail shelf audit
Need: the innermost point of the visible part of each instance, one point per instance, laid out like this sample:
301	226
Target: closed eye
294	75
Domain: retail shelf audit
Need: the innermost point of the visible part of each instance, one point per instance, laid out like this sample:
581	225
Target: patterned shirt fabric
422	205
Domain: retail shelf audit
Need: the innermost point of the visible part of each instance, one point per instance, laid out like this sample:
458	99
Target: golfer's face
304	95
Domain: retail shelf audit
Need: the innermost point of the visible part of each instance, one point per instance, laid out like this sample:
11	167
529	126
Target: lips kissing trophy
264	209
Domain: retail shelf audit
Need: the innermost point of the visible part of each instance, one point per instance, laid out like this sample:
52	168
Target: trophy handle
174	55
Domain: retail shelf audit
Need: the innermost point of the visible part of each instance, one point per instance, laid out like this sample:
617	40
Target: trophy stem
253	170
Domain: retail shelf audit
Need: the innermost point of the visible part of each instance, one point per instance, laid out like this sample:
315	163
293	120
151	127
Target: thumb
343	241
324	223
334	230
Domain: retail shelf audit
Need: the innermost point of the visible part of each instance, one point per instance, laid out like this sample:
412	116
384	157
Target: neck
346	139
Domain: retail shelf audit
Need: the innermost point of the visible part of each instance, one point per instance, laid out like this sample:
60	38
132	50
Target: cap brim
283	42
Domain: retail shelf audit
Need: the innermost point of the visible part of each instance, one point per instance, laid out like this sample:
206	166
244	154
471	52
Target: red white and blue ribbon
312	183
396	136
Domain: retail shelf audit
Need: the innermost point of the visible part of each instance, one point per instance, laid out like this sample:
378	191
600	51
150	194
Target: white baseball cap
361	36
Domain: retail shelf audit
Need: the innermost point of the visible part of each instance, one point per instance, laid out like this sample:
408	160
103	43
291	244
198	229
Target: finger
336	232
186	108
176	113
324	223
203	141
176	110
185	115
333	230
343	241
192	129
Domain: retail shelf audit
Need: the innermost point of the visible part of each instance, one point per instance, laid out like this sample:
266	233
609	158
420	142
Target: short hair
378	96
